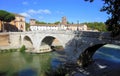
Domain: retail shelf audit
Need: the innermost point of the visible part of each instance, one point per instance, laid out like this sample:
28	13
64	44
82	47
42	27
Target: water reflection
19	64
108	52
106	63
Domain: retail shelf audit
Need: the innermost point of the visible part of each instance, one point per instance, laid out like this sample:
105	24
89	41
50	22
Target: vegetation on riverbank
22	49
8	50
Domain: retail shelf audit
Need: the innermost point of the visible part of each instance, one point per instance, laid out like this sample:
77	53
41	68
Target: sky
51	11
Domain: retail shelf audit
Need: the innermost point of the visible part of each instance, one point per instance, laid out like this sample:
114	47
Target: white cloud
41	17
40	11
25	3
31	11
37	14
46	11
25	14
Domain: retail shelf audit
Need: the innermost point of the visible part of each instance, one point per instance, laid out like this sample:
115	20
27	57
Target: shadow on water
27	72
3	73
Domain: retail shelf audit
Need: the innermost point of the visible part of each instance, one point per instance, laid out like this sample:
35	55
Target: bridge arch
27	42
87	56
51	41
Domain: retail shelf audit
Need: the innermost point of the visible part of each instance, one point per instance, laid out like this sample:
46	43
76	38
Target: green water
19	64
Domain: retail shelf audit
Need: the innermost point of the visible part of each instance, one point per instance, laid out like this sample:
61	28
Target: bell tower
32	21
64	21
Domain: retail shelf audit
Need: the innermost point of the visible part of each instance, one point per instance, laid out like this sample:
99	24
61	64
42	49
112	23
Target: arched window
21	27
21	20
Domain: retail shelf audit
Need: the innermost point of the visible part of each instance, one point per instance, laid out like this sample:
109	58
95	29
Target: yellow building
0	26
19	23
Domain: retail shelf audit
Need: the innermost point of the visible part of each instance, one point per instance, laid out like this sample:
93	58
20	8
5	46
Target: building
18	23
32	22
62	26
64	21
0	25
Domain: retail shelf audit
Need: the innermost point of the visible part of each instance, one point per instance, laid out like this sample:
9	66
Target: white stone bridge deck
70	40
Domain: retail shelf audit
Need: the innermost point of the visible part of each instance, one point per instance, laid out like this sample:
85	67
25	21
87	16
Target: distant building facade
0	25
64	21
32	21
62	26
19	23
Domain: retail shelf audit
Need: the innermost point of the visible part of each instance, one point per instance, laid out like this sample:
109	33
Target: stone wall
4	39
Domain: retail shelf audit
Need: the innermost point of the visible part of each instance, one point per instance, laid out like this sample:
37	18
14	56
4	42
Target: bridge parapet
49	31
93	34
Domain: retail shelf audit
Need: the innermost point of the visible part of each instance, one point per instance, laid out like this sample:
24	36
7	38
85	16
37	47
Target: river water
26	64
106	63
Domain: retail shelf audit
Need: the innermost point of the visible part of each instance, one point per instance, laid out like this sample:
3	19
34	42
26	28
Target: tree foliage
38	22
9	18
58	22
6	17
27	26
112	8
100	26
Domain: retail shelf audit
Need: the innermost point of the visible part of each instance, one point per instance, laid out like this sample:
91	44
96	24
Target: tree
58	22
5	17
112	8
27	26
38	22
100	26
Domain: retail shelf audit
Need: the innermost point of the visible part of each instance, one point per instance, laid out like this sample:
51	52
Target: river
106	63
26	64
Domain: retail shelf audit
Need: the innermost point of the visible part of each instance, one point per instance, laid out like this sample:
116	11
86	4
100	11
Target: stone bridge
35	40
74	42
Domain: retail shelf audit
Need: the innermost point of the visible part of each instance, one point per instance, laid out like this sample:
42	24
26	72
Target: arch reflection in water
18	64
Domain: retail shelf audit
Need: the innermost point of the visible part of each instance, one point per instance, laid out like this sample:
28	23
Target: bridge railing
105	35
49	31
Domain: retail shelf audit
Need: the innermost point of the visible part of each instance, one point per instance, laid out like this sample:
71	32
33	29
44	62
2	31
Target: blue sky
54	10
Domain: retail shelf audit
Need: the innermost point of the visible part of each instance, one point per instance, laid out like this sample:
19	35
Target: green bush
22	49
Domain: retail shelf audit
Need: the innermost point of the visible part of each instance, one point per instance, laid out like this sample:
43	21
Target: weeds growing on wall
22	49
